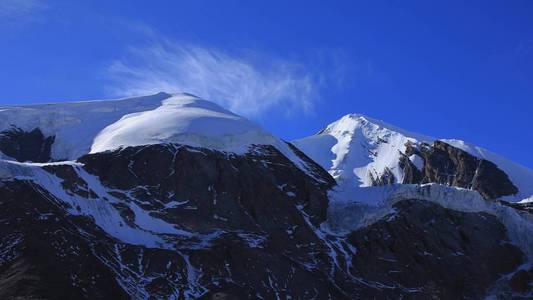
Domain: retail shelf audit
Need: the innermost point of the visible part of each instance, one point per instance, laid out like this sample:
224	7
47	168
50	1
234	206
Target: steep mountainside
173	197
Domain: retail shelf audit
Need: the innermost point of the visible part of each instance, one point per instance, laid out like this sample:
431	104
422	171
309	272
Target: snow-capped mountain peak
94	126
351	122
66	131
357	148
183	119
360	151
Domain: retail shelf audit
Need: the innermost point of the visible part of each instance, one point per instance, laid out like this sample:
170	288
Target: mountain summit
170	196
95	126
361	151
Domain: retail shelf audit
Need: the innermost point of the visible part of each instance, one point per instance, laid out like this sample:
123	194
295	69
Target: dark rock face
428	252
259	185
43	253
255	207
26	146
521	281
452	166
384	179
255	220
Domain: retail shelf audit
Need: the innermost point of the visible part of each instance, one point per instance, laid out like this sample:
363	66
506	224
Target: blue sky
449	69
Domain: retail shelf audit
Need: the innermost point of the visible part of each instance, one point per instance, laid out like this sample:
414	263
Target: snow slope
75	124
357	148
183	119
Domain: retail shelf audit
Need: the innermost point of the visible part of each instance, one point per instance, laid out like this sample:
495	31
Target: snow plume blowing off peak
242	84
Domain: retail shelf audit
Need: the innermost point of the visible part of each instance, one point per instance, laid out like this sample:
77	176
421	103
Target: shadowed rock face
386	178
527	206
445	164
265	212
425	251
262	185
26	146
43	255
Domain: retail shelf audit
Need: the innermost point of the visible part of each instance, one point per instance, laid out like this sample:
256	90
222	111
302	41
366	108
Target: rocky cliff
445	164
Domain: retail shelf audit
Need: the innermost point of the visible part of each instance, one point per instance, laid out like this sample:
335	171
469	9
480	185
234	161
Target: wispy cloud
248	84
20	11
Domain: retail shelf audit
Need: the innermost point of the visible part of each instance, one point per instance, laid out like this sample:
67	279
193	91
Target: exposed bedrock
445	164
23	145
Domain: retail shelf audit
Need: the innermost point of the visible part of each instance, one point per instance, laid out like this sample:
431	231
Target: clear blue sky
450	69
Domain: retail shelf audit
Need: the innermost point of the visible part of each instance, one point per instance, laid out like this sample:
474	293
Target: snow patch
417	161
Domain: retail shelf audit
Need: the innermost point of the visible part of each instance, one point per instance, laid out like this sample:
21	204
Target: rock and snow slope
365	157
359	151
356	149
172	197
521	176
74	124
80	128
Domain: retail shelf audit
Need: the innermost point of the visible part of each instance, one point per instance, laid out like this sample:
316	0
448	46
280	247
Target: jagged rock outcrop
387	177
445	164
26	146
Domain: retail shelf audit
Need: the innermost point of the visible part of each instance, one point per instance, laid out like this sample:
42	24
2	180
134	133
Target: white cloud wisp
241	84
20	11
